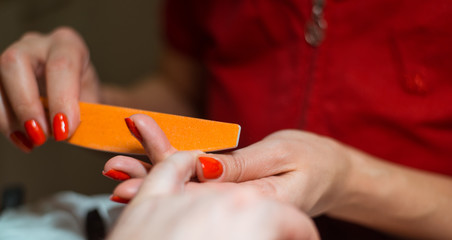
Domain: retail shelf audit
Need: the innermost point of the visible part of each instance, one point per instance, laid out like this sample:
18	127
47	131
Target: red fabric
381	81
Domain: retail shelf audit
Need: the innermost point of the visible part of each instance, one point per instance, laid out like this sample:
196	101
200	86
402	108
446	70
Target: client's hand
168	206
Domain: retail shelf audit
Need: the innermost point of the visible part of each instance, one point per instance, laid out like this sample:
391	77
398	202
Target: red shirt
381	81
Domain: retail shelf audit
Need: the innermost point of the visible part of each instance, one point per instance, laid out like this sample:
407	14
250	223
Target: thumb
262	159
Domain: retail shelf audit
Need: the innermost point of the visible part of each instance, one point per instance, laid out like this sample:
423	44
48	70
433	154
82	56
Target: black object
12	197
94	226
333	229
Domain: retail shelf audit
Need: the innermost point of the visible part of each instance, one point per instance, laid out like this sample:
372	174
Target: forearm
396	200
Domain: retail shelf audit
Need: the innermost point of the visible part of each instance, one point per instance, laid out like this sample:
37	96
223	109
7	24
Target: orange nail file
102	127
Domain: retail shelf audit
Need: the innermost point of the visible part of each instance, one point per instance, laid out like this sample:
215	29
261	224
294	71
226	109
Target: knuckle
71	37
10	56
282	134
30	36
283	142
65	32
280	147
238	164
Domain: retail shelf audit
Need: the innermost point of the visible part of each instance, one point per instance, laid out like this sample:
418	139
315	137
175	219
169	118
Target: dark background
124	42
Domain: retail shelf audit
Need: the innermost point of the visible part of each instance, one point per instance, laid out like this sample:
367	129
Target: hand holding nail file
102	127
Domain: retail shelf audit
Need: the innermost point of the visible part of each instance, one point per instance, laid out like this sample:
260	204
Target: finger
66	61
9	128
18	66
6	123
123	168
152	137
293	224
262	159
129	188
169	176
126	190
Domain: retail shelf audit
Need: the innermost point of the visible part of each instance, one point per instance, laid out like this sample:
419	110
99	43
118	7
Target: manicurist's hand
168	206
292	166
54	65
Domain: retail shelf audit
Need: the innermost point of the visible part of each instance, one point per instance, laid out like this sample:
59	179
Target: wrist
365	184
340	174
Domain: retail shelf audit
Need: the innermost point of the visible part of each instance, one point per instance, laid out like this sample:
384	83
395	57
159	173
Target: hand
168	206
292	166
56	65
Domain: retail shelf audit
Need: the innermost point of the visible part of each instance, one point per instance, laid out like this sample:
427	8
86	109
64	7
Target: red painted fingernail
60	127
117	199
35	132
116	175
211	168
133	129
21	141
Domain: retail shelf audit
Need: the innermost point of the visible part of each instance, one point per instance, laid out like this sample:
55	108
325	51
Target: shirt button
314	34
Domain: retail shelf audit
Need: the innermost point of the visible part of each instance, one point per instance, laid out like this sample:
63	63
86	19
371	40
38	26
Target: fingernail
116	175
60	127
133	129
117	199
35	132
21	141
211	168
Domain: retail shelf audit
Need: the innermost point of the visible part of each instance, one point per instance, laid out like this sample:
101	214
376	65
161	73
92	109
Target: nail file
102	127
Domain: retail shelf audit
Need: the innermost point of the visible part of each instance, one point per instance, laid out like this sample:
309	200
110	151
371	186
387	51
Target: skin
36	61
233	212
57	65
317	174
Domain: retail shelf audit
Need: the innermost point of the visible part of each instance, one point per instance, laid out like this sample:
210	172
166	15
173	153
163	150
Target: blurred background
124	41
